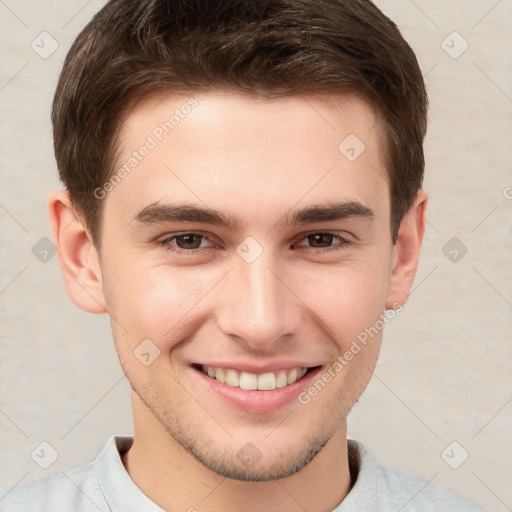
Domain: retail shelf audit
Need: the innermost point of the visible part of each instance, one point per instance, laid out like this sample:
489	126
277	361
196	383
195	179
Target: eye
323	242
185	242
191	243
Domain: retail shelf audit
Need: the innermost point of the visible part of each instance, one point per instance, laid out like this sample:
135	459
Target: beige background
445	372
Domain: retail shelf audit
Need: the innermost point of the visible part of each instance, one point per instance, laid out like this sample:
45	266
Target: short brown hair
267	48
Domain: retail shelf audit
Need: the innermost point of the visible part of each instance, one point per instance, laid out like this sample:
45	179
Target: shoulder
418	493
393	489
75	490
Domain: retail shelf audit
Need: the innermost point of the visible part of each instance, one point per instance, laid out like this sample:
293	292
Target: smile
251	381
263	390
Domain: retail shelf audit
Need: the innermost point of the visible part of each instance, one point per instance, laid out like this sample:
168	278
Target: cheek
154	303
167	304
348	299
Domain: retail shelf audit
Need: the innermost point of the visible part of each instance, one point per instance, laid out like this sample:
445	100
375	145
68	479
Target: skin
255	160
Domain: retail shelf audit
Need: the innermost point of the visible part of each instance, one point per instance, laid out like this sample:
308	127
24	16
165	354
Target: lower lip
258	401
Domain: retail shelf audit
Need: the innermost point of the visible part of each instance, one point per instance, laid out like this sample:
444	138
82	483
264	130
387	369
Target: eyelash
166	243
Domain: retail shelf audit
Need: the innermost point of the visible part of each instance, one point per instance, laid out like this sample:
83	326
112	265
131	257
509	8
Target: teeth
232	378
250	381
282	379
292	376
267	381
220	375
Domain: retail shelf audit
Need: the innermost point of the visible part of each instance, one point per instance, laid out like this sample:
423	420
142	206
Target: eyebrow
156	213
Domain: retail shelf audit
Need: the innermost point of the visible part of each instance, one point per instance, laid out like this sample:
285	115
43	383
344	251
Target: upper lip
258	368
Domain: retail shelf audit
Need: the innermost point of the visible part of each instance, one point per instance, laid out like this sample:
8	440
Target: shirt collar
119	490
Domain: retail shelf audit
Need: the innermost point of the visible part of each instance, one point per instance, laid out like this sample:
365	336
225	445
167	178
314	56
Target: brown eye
188	241
321	240
186	244
324	242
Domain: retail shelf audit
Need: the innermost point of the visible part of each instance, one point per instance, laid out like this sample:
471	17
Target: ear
78	258
406	252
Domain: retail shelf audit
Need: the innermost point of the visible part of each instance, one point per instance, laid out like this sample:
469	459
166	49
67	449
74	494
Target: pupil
313	239
189	241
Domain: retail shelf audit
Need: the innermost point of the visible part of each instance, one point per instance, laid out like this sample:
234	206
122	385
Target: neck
173	479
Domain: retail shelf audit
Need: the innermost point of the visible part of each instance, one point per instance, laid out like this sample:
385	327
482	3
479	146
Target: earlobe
78	258
406	252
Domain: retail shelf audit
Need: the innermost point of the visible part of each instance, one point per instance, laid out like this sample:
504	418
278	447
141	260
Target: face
242	253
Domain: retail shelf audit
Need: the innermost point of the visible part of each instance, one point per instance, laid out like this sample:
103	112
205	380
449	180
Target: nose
258	307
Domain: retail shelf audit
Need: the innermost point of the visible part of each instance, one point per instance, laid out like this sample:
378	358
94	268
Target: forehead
223	149
302	118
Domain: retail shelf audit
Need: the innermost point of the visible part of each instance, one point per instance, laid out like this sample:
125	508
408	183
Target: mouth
248	381
251	381
259	391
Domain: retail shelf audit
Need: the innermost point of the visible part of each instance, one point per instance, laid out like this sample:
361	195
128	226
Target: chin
249	464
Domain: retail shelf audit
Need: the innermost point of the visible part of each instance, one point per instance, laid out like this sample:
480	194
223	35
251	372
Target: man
243	198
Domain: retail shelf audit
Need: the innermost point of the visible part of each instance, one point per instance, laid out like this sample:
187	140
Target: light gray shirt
104	485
